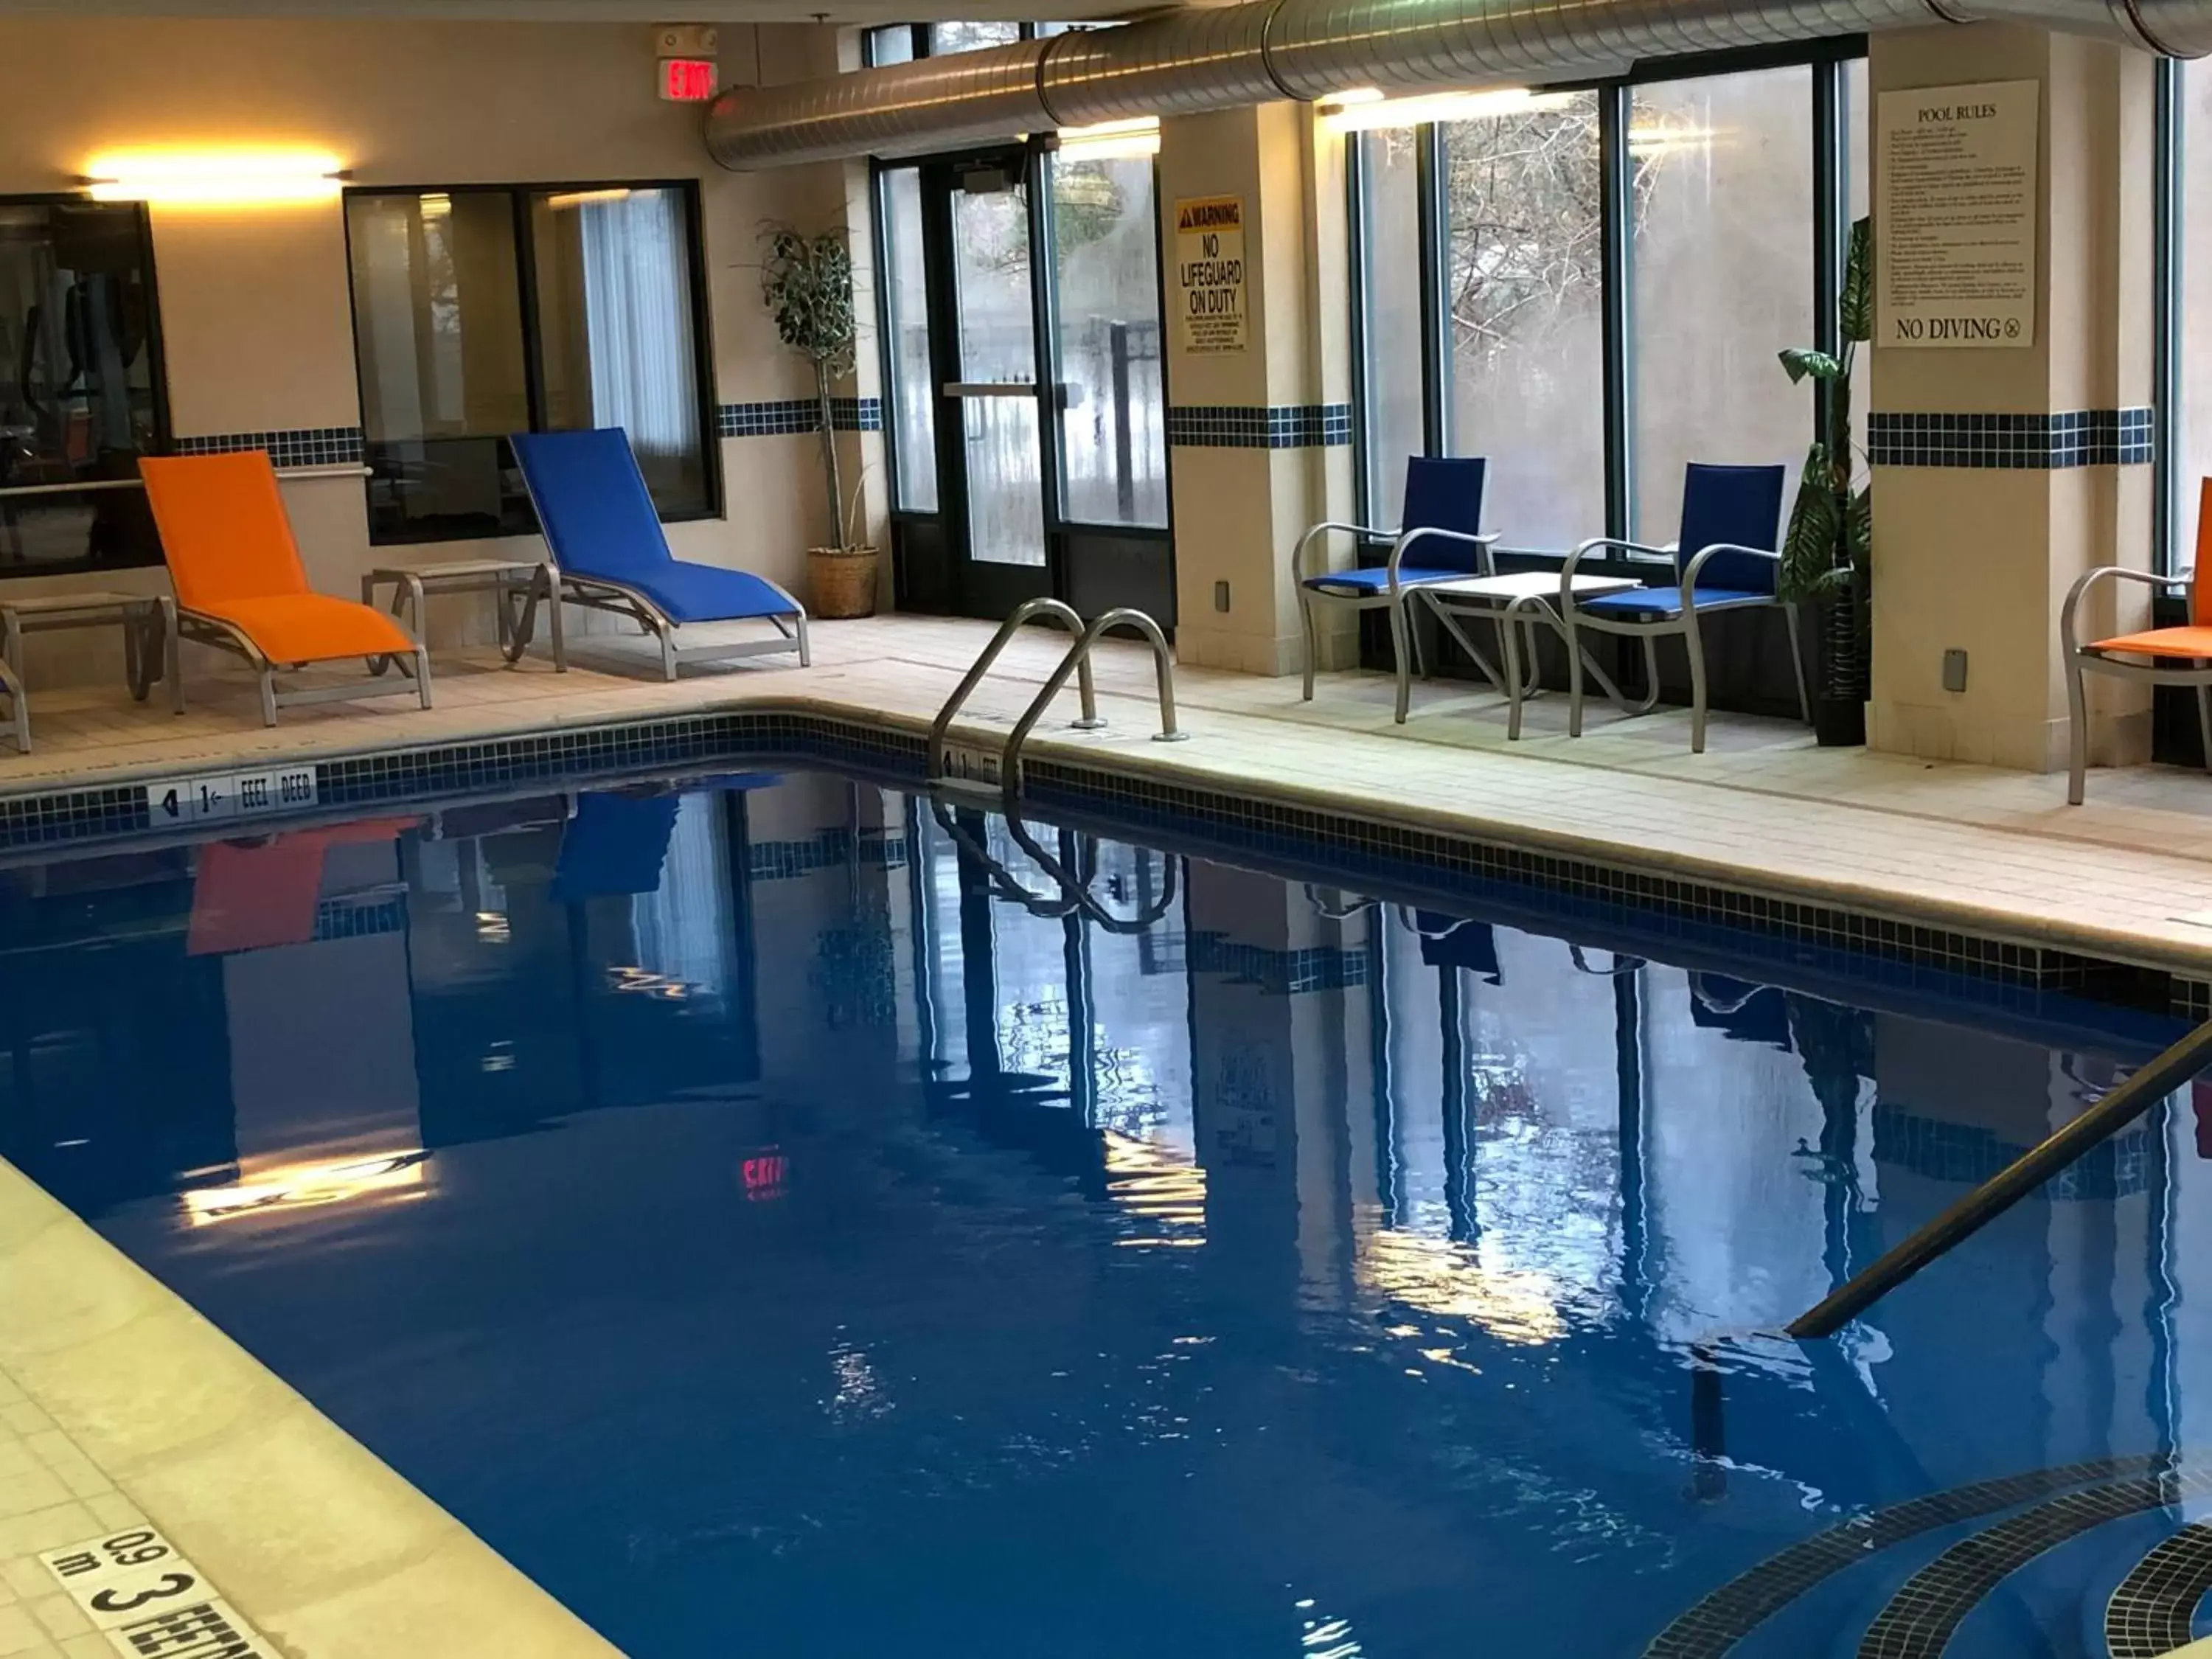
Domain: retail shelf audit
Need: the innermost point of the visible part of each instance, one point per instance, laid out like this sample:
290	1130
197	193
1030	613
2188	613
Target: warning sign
1210	272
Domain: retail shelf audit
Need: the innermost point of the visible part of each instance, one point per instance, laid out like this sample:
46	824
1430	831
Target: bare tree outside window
1523	287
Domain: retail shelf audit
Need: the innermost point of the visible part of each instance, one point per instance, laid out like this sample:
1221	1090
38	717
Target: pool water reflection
772	1234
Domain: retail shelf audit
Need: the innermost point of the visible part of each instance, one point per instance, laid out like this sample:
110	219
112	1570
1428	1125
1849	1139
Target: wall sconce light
215	177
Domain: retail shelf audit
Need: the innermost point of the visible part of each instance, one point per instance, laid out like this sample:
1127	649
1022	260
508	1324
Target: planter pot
840	581
1840	674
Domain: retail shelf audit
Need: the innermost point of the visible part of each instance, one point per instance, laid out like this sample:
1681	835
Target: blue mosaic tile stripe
785	415
1256	426
308	446
2087	437
1276	973
1967	1156
1206	821
828	849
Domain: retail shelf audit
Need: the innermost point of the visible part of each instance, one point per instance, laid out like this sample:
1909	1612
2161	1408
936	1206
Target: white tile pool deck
117	1401
2127	876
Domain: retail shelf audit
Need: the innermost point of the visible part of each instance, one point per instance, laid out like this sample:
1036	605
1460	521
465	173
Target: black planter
1839	677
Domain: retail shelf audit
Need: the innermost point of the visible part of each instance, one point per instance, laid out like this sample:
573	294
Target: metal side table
503	578
148	621
1516	602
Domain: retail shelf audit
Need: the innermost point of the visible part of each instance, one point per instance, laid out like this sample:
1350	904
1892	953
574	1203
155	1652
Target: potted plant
1828	548
806	282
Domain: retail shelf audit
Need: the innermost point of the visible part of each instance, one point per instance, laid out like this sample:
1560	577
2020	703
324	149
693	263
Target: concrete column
1979	558
1240	504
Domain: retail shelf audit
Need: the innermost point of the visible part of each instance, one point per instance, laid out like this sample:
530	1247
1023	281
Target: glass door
1027	407
989	383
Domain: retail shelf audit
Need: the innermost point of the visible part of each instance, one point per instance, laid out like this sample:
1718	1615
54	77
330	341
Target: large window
1723	257
1591	287
81	390
483	311
1389	193
2190	437
1114	458
1523	288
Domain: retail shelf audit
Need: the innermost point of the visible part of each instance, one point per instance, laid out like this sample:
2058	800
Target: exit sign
687	79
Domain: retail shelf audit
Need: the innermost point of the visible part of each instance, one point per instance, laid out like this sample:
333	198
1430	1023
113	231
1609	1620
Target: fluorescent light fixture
1372	114
1109	139
214	178
307	1186
576	198
437	205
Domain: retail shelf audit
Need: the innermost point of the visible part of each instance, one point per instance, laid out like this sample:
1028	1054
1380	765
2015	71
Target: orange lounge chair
2137	656
240	586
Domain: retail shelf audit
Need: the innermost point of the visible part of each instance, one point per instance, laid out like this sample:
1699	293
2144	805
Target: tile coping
1087	769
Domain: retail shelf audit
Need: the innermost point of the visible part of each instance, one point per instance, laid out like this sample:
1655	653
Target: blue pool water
774	1237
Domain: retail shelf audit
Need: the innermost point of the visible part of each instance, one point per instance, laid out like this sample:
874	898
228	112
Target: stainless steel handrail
1078	660
2120	1106
1059	611
337	470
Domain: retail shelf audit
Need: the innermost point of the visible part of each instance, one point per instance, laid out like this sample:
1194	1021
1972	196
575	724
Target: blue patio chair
605	536
1439	538
1726	560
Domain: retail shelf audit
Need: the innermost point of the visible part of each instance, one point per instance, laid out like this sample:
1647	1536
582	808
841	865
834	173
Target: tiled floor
2129	875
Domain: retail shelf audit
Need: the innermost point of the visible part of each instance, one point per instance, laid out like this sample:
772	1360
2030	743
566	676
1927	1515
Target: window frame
521	194
163	439
2168	245
1828	227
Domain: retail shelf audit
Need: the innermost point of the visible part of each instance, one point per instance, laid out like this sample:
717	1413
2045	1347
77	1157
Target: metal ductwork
1216	57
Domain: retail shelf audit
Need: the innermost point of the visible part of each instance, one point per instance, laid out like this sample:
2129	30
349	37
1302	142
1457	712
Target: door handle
991	389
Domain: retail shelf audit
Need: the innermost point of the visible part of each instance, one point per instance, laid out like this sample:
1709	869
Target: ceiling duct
1213	57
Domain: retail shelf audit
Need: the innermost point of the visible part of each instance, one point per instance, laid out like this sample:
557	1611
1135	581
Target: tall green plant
806	282
1828	549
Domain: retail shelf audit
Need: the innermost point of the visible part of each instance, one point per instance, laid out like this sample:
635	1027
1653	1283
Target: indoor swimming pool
782	1218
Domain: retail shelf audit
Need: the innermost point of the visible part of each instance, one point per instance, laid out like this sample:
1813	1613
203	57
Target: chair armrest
1299	547
2089	579
1567	566
1408	538
1698	562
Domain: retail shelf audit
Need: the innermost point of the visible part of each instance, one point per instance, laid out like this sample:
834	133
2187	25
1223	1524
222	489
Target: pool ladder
1075	661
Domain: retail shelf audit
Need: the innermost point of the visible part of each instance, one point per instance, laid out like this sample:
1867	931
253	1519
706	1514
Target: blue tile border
306	446
1456	863
1259	426
2087	437
785	415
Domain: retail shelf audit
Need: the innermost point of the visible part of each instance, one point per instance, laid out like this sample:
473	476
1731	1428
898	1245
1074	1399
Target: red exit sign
687	79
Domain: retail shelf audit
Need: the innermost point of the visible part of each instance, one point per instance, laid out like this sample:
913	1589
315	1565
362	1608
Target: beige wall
1979	559
1236	513
256	324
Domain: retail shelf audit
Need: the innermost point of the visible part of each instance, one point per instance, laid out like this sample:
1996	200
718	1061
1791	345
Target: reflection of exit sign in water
764	1175
687	79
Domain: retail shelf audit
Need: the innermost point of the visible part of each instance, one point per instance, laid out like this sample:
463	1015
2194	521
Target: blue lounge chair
1726	560
1441	530
605	540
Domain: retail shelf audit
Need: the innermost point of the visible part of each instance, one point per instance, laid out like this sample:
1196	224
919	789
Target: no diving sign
1210	272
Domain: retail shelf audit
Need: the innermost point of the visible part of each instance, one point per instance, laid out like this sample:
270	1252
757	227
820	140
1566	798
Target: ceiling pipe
1214	57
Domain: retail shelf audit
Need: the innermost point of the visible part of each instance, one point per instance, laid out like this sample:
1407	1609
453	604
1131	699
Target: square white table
1514	602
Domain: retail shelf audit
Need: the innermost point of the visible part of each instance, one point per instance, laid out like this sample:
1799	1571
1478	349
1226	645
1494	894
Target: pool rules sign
1955	247
1210	272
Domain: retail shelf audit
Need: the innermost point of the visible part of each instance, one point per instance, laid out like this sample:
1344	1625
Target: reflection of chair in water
1449	942
1748	1012
247	895
616	844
